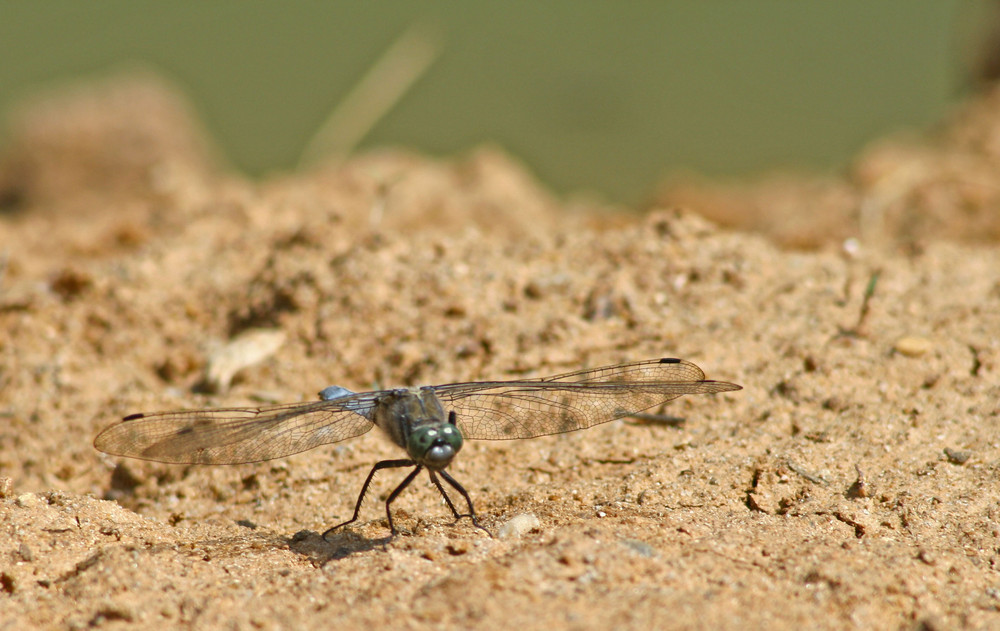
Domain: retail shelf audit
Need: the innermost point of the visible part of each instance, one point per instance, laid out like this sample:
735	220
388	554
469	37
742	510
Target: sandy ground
851	483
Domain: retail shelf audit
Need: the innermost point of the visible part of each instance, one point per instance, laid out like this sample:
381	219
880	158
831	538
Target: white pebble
27	500
519	525
913	346
246	349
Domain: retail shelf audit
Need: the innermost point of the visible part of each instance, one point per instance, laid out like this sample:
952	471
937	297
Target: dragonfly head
434	445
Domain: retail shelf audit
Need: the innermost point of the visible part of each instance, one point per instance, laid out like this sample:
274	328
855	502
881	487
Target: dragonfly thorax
416	421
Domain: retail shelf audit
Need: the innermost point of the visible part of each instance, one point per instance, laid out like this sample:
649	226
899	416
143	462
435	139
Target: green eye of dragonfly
434	446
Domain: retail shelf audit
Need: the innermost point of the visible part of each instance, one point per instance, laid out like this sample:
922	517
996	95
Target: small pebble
108	528
246	349
860	487
6	487
927	557
851	247
957	457
640	547
913	346
27	500
519	525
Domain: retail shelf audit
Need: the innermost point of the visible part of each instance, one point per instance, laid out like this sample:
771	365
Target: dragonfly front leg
468	500
384	464
395	493
437	483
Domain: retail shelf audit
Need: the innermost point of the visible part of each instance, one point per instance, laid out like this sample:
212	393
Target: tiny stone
519	525
112	612
860	487
27	500
107	527
957	457
927	557
6	486
24	551
533	291
457	549
246	349
640	547
913	346
648	496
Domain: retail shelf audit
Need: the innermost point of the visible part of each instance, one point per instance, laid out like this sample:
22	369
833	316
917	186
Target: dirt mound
901	192
849	483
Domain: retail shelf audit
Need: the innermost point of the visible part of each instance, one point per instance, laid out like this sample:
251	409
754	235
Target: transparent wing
238	435
498	410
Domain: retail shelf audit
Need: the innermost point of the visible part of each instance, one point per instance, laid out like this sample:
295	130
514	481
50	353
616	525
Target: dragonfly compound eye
434	447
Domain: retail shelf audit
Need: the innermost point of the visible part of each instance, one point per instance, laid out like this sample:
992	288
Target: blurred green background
600	97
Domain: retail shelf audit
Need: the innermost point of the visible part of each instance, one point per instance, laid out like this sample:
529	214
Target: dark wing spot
670	360
134	417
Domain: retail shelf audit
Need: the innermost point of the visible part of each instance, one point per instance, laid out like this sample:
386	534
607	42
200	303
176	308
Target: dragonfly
430	423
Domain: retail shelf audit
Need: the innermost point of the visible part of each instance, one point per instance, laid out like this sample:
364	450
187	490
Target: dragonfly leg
384	464
461	489
437	483
395	493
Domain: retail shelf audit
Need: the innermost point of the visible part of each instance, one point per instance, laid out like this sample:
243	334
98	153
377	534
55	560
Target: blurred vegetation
593	96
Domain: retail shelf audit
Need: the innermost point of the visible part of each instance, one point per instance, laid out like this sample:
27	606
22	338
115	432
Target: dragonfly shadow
337	546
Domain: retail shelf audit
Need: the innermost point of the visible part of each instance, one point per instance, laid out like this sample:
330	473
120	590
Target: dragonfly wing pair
489	410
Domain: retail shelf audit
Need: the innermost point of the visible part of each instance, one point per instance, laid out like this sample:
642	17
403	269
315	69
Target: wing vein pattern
501	410
488	410
237	435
